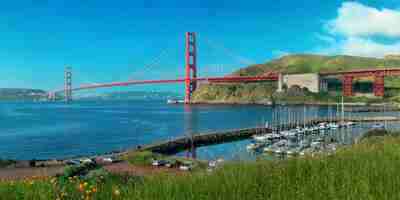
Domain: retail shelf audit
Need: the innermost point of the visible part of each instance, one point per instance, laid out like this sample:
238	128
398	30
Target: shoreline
351	104
244	133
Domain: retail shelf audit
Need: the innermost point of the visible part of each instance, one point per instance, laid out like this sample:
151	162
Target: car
108	160
212	163
185	167
73	162
171	164
159	162
86	161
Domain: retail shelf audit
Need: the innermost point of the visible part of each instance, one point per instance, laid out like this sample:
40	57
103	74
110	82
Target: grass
367	170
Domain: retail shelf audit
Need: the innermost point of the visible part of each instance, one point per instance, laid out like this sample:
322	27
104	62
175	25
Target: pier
179	144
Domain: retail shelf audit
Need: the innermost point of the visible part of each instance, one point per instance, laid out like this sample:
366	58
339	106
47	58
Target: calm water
57	130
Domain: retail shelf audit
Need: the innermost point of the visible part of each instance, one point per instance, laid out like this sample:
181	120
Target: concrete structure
310	81
392	57
280	83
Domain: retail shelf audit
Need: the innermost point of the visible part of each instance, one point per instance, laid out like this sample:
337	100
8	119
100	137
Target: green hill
291	64
308	63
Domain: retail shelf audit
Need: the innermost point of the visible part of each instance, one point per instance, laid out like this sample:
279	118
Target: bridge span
190	80
378	74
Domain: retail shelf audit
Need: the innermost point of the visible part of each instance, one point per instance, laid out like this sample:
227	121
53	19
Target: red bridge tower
191	66
68	84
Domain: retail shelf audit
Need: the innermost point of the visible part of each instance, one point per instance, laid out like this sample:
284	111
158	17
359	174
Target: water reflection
190	125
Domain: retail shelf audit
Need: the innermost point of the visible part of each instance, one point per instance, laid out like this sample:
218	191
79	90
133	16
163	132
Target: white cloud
352	32
280	53
367	47
355	19
325	38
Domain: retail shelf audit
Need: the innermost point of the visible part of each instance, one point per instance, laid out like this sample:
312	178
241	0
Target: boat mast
342	110
384	115
304	116
337	112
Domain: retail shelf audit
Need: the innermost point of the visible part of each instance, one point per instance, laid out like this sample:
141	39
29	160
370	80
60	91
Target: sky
106	41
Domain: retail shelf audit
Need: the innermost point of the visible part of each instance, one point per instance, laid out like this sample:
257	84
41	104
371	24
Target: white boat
262	138
289	152
378	126
253	146
315	144
299	130
350	123
285	133
333	126
275	136
281	143
292	134
308	129
278	151
313	128
268	149
172	101
322	126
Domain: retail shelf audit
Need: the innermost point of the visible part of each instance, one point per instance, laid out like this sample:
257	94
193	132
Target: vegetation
231	93
367	170
6	163
21	94
301	63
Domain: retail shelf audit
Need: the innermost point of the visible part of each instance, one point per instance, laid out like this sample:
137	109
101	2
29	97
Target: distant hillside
131	95
21	94
291	64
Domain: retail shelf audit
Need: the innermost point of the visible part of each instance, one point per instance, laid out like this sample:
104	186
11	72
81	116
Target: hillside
291	64
21	94
309	63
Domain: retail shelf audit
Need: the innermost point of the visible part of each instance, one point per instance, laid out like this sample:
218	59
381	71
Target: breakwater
182	143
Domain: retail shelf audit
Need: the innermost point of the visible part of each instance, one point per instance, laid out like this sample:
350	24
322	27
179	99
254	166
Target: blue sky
107	41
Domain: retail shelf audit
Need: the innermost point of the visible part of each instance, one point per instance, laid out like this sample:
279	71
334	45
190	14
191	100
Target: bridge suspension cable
229	52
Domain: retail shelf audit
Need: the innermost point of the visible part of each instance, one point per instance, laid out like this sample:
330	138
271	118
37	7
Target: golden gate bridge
191	79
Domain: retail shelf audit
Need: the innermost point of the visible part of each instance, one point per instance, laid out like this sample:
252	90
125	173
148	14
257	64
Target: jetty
176	145
179	144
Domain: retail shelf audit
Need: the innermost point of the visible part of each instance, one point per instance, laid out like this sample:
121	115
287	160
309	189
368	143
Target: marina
314	136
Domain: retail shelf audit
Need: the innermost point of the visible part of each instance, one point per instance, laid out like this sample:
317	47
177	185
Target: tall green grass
368	170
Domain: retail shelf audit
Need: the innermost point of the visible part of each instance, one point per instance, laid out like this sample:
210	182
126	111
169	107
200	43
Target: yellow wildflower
117	192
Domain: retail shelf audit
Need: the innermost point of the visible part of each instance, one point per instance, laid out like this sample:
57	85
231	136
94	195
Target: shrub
5	163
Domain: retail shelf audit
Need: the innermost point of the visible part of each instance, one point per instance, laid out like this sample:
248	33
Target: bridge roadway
170	147
226	79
